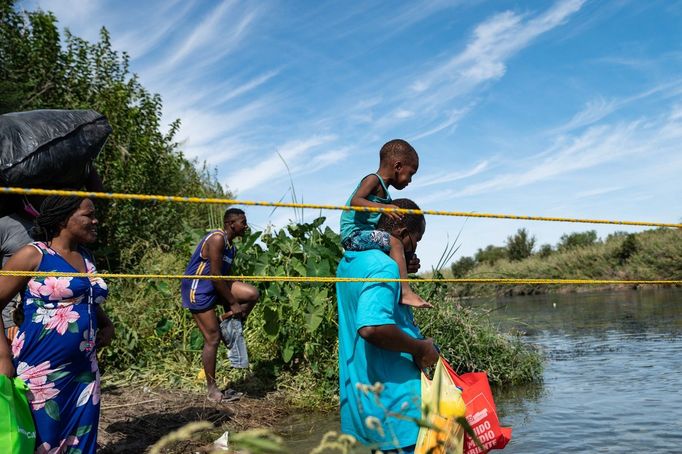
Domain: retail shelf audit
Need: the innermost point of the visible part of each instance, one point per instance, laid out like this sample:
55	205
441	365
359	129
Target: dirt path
133	418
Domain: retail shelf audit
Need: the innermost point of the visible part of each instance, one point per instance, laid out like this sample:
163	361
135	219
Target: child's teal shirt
358	221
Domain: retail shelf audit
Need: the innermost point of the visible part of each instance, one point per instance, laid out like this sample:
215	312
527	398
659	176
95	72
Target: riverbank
649	255
134	418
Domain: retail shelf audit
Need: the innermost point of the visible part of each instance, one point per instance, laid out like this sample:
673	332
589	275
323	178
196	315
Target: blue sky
568	108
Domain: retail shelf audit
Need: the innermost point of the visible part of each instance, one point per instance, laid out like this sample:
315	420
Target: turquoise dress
54	353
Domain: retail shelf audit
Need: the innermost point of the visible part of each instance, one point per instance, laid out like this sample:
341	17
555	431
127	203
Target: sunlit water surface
612	379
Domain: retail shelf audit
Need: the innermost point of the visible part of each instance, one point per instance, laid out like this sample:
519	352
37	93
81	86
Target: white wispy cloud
158	26
594	111
447	92
218	34
492	44
451	119
273	166
440	178
600	108
417	11
598	192
598	146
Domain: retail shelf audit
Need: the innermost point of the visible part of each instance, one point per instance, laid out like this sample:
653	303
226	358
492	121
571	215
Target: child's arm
369	185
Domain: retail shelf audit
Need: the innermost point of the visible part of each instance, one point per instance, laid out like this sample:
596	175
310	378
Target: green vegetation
651	255
40	70
292	333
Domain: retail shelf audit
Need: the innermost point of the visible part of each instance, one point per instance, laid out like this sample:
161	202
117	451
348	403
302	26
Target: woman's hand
104	336
105	333
6	367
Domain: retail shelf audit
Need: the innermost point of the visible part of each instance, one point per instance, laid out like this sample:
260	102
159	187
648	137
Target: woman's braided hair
55	211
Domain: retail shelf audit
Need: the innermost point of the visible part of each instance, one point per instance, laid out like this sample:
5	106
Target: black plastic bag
50	148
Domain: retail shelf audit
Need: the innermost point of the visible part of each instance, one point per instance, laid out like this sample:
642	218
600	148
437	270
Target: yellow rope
219	201
333	279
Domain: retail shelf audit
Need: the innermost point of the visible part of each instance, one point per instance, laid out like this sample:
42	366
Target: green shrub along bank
292	332
649	255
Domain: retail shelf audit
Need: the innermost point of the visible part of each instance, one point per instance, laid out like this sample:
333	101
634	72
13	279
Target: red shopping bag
481	412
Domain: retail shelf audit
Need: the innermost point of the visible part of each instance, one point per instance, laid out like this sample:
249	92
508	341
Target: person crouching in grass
214	256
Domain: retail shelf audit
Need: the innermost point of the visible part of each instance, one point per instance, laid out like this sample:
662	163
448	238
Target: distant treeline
652	254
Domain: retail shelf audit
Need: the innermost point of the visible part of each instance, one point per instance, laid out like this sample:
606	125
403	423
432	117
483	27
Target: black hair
55	211
233	212
398	149
412	222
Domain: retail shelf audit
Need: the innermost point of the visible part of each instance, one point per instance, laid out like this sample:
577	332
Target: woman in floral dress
55	350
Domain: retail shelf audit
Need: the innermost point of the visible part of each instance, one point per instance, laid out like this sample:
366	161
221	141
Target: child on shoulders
398	162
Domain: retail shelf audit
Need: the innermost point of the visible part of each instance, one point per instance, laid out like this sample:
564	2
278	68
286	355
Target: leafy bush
490	254
520	245
627	249
577	240
461	267
545	250
39	70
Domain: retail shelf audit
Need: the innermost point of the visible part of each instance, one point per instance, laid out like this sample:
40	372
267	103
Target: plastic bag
481	412
17	431
442	404
50	148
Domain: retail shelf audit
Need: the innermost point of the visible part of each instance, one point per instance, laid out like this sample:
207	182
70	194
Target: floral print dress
54	353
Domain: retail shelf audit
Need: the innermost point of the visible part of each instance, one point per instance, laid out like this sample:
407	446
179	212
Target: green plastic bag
17	431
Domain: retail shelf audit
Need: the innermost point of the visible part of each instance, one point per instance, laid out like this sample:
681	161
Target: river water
612	379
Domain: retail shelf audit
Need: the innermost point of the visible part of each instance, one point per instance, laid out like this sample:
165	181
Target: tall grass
657	255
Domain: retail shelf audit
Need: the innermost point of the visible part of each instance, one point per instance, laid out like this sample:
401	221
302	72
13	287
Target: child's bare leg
408	297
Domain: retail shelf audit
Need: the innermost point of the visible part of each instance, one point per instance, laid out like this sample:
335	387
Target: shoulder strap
209	235
42	247
381	181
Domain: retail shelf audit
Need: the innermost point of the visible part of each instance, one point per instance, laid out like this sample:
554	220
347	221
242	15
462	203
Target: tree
545	250
490	254
38	70
627	248
520	245
577	240
461	267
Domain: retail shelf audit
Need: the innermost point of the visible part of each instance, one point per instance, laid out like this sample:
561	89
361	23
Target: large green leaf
271	319
163	326
85	377
295	298
82	430
313	318
54	376
52	409
196	339
297	266
287	352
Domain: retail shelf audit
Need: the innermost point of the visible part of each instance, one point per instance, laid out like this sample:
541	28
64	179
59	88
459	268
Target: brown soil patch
133	419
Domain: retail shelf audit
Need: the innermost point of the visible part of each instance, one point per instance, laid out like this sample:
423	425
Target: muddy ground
133	418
